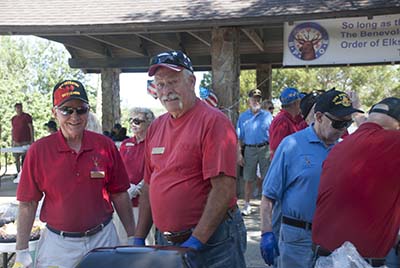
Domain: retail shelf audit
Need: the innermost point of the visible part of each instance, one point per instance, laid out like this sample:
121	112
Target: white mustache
171	96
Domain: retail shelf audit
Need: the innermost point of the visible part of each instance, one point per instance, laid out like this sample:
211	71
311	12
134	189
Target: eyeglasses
66	111
338	124
271	108
136	121
174	57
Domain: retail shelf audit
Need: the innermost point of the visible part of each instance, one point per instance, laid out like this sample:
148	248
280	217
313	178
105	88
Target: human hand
355	99
23	259
193	243
134	191
240	160
136	241
269	247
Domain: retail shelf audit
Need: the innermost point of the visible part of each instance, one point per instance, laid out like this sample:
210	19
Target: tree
29	69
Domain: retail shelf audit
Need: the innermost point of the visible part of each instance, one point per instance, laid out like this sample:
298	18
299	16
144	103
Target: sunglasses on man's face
136	121
271	108
66	111
339	124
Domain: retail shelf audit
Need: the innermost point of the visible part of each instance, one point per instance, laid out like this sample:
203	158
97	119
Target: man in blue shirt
252	130
293	180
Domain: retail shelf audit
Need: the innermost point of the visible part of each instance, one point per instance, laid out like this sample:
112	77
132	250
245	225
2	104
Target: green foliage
29	69
372	83
206	81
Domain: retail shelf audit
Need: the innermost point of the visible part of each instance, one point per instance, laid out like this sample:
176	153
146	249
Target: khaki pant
57	251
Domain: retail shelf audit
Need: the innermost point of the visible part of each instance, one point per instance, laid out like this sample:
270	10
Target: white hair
149	115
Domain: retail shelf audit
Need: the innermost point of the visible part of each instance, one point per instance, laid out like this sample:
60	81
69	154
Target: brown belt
322	252
180	237
177	237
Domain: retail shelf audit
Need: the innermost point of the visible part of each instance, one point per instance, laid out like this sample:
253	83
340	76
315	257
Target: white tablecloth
10	247
18	149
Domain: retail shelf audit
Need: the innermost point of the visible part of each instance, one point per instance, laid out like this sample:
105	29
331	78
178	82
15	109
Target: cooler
140	257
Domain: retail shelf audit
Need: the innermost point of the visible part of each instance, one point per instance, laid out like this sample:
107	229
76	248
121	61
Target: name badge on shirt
97	174
158	150
129	144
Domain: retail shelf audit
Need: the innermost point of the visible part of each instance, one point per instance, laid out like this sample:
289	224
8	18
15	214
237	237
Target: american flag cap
174	60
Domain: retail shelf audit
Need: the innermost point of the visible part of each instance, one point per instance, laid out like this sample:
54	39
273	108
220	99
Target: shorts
252	157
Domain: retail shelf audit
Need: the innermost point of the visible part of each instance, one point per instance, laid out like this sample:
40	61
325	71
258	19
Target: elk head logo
307	45
308	41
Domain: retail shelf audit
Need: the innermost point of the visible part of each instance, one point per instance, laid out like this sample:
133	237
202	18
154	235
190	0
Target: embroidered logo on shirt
97	172
307	161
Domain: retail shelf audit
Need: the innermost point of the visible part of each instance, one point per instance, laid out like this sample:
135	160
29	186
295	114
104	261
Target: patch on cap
68	90
255	93
336	103
289	95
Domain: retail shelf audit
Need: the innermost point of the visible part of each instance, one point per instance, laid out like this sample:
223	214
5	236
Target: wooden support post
111	110
264	80
225	61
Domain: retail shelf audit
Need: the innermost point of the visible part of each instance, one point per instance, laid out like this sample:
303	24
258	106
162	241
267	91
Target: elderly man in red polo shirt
81	175
358	196
190	170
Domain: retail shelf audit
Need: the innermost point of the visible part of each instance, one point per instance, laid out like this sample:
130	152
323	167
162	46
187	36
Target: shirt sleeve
147	163
119	181
219	148
275	178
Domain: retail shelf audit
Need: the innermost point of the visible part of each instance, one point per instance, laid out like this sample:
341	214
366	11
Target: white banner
342	41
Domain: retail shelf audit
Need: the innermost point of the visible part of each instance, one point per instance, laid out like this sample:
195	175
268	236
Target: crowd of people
173	183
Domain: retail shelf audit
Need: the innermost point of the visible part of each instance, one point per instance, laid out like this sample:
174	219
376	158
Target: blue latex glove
269	247
138	241
193	243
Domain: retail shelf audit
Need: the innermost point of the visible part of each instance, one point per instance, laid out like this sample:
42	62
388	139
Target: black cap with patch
255	93
336	103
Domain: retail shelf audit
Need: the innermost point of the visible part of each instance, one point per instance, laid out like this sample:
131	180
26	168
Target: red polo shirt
359	193
77	186
132	154
20	129
283	125
181	156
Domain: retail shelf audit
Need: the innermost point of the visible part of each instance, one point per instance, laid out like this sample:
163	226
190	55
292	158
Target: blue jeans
226	246
392	260
295	246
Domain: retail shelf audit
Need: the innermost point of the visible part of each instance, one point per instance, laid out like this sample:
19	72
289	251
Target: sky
133	90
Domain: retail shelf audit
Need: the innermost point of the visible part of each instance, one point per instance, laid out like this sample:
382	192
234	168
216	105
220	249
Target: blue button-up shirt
253	128
294	174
